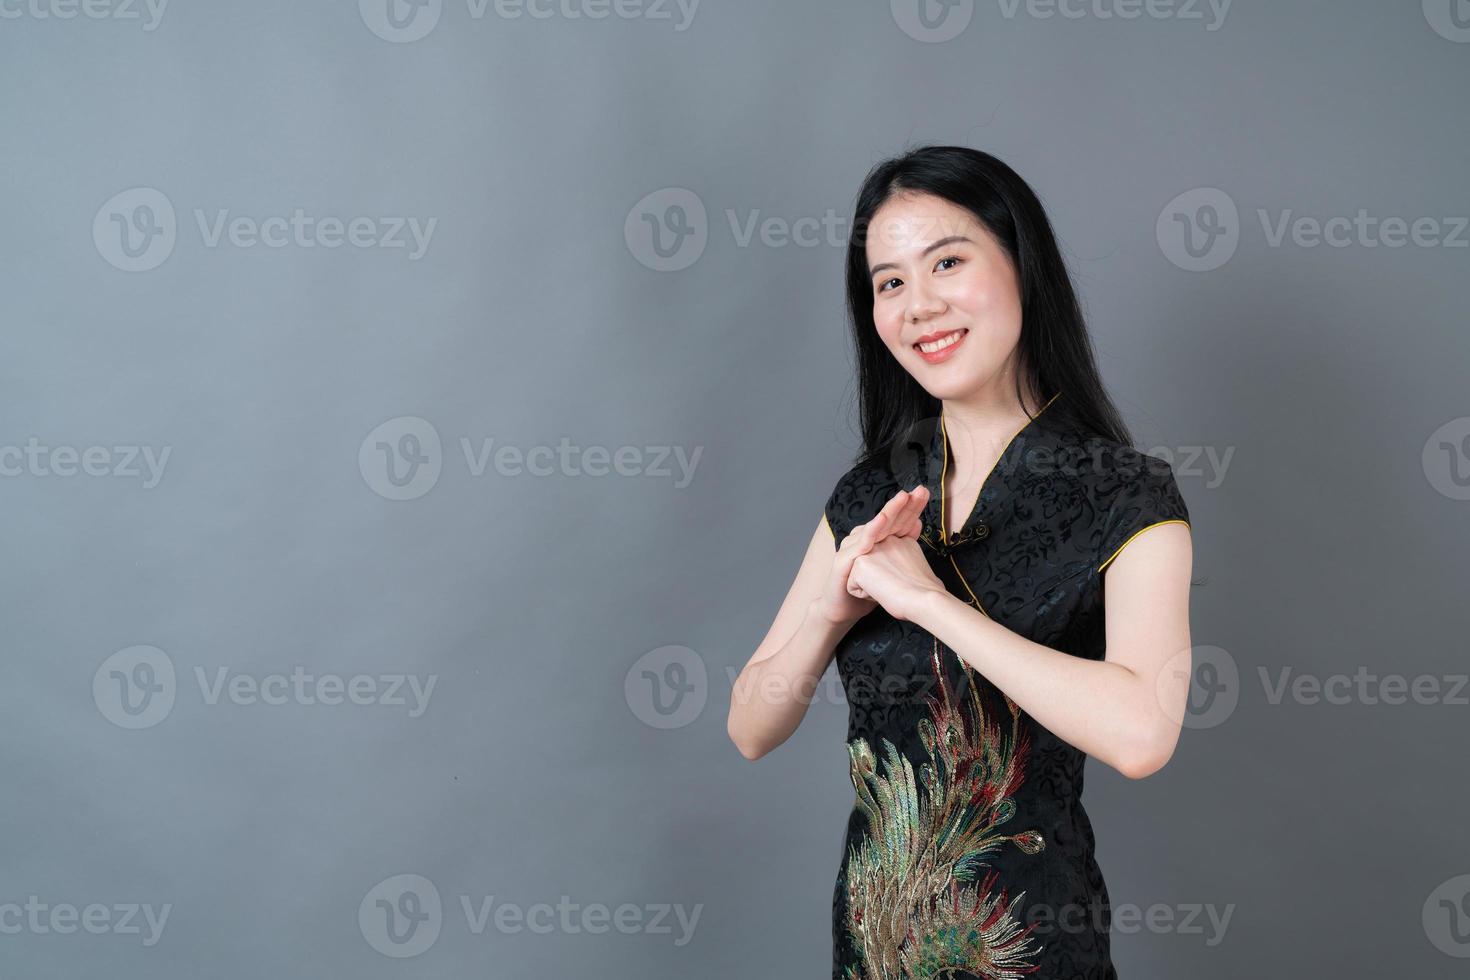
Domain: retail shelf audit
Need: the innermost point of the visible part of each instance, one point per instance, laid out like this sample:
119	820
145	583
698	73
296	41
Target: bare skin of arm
775	688
1126	709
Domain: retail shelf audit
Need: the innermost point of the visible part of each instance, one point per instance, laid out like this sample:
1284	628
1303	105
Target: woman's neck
979	427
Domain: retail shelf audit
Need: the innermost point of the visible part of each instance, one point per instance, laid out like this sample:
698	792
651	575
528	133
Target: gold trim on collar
944	468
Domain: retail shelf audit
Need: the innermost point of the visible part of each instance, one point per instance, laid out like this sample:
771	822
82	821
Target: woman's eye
884	285
950	258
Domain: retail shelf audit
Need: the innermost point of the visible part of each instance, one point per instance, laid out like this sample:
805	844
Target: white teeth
942	342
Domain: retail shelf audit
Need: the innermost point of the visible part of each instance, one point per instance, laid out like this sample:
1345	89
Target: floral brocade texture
968	853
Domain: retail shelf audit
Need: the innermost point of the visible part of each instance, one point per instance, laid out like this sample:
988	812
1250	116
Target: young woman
982	576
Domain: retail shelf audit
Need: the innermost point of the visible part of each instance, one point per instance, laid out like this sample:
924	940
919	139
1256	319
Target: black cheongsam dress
968	853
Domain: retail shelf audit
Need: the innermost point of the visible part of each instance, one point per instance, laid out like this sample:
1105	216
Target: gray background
1335	540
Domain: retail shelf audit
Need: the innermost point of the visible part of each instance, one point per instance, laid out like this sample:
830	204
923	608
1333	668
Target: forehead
908	222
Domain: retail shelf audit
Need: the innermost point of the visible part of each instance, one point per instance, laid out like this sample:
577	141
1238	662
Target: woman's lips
948	344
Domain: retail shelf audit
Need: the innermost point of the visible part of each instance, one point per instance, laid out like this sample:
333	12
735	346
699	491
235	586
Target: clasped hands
880	563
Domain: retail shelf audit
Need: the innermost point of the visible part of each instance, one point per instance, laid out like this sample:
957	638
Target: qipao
968	853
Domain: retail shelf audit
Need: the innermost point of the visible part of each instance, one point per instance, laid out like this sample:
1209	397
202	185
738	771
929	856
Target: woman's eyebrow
874	270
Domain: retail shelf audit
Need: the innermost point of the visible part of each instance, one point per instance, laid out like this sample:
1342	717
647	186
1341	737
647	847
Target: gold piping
1135	534
967	587
944	468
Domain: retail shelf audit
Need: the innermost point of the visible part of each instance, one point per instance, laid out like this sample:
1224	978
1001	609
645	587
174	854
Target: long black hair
1056	353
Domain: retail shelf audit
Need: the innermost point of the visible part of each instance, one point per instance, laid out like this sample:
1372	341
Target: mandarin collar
925	459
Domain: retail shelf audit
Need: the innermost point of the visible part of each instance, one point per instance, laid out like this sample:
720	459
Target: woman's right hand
900	517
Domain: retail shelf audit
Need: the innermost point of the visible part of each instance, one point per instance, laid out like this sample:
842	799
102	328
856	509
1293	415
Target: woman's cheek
889	328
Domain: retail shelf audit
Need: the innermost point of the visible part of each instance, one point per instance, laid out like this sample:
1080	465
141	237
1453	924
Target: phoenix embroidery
921	903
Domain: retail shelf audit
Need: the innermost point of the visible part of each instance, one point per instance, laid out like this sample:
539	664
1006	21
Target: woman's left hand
896	574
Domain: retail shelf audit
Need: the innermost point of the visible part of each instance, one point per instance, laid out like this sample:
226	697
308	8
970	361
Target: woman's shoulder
1113	467
1133	490
858	494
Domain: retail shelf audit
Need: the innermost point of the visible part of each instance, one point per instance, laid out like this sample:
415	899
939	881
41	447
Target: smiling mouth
948	340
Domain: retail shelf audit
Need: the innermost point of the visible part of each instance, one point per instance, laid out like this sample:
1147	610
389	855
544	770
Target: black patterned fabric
968	852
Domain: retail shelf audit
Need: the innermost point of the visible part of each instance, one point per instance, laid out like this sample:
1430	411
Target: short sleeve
845	504
1148	497
835	510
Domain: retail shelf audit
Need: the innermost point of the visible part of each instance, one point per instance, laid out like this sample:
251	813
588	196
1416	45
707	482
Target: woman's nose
923	302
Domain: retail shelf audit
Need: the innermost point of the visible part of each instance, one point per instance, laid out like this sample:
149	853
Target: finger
910	523
875	530
895	512
900	517
854	589
911	531
854	546
913	508
855	541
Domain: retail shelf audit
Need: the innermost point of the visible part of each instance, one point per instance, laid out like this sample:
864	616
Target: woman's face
939	276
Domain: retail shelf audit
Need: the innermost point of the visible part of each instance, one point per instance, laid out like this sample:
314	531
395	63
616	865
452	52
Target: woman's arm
1125	709
774	690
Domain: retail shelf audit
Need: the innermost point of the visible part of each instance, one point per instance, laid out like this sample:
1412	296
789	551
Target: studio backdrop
413	414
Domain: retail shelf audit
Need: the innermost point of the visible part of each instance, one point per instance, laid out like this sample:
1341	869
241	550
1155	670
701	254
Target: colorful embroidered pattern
920	901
